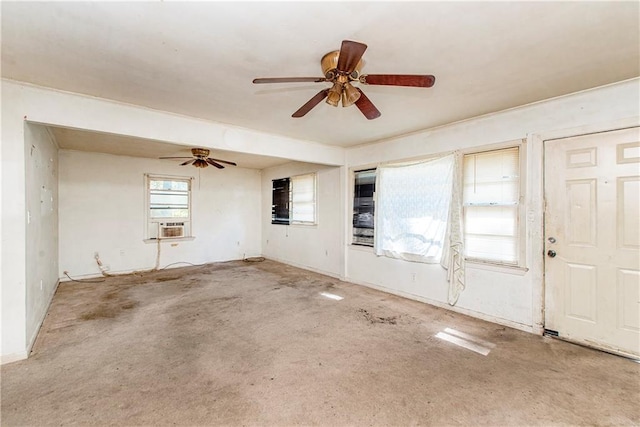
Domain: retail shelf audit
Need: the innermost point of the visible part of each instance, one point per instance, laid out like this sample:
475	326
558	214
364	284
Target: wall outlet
413	277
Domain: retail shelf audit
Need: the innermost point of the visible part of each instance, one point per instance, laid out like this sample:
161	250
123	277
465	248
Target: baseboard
305	267
446	306
34	336
13	357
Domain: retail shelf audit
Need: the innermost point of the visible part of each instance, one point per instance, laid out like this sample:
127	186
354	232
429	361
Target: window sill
303	225
171	239
297	224
363	248
500	268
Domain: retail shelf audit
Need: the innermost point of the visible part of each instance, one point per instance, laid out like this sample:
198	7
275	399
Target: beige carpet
259	344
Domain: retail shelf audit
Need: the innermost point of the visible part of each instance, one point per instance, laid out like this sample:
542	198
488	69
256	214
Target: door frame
536	210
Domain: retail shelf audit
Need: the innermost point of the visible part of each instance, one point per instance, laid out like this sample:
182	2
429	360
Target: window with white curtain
294	200
491	194
412	210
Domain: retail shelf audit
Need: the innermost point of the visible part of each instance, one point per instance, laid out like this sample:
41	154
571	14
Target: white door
592	239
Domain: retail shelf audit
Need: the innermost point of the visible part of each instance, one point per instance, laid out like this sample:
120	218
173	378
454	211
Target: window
491	206
280	201
169	207
412	205
363	207
294	200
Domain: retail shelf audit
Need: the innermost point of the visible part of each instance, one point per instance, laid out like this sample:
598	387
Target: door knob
551	253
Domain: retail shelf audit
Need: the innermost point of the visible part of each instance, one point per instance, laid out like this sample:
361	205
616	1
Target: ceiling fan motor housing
200	152
329	63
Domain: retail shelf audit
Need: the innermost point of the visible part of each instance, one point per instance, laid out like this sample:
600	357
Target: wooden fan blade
290	80
366	106
311	103
188	162
185	157
350	54
218	165
223	161
398	80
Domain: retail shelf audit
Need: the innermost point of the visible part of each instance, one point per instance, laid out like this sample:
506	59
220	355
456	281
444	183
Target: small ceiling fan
342	68
201	159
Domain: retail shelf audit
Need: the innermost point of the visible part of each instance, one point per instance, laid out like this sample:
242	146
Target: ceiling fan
201	159
343	67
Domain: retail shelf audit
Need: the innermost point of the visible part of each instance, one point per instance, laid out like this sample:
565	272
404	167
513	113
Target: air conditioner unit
171	229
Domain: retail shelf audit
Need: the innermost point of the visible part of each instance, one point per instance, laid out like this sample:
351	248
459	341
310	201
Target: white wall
102	209
41	158
13	263
23	102
317	247
511	297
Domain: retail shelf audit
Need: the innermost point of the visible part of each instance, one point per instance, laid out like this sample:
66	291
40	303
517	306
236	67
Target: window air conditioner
172	229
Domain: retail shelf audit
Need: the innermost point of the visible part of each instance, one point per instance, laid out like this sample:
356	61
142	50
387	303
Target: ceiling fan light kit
341	68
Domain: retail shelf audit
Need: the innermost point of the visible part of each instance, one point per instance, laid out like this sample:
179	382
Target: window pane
363	207
280	201
303	197
492	248
161	212
155	184
168	198
303	212
490	197
497	220
491	178
178	200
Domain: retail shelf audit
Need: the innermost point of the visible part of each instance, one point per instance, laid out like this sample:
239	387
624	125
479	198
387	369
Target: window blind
491	196
303	198
280	201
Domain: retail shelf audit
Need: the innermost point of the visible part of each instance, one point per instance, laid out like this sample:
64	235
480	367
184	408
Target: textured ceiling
199	58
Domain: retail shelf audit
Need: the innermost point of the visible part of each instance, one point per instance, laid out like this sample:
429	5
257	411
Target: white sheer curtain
412	209
453	252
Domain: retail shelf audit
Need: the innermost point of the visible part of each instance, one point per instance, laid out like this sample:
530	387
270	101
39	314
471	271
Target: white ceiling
199	58
82	140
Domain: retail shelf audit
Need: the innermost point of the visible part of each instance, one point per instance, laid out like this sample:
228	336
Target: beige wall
41	163
102	209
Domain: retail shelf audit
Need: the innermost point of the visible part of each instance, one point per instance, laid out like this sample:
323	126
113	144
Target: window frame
520	219
151	222
290	203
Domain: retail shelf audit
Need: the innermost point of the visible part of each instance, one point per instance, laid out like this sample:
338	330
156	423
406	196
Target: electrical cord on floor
104	271
182	262
66	273
157	266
